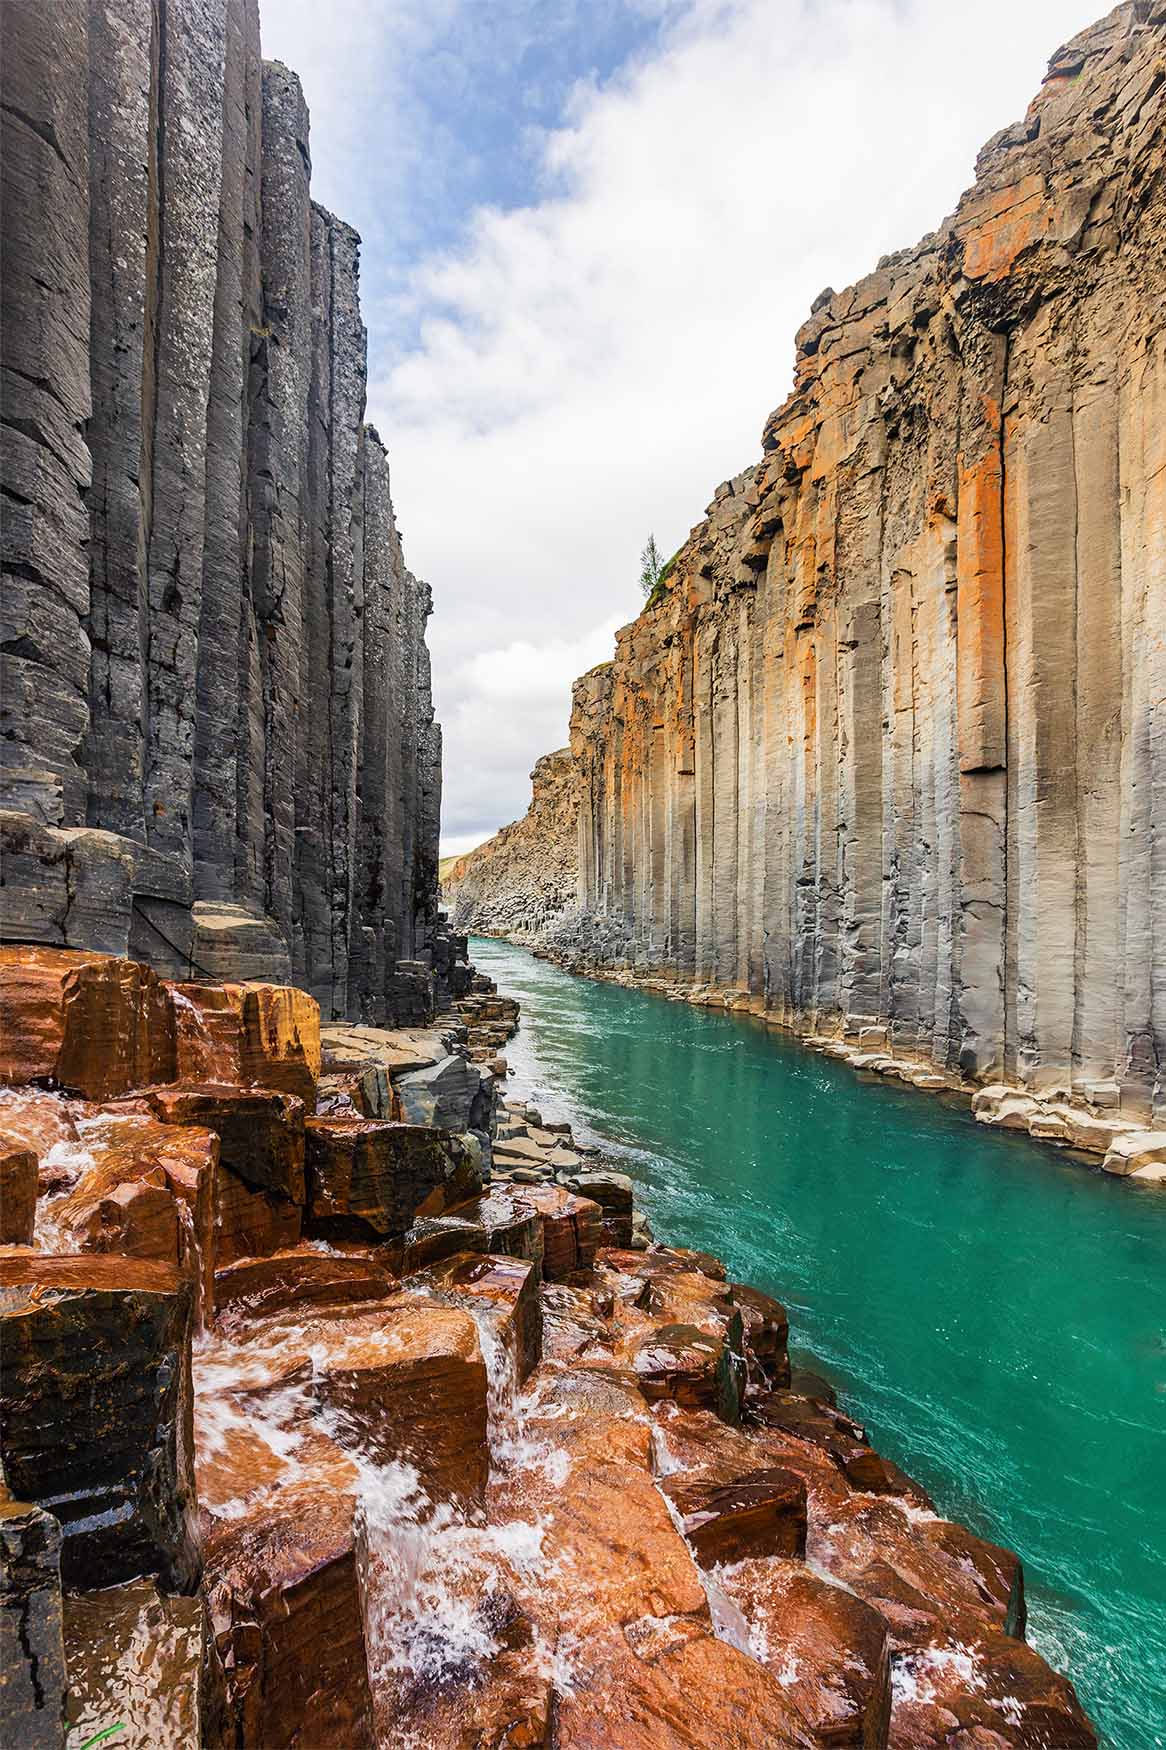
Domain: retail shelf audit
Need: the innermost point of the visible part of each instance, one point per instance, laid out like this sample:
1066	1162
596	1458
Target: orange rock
259	1287
250	1222
85	1022
17	1192
408	1380
371	1178
620	1600
983	1689
283	1589
40	1120
503	1290
500	1222
95	1397
260	1035
828	1648
572	1229
260	1130
725	1519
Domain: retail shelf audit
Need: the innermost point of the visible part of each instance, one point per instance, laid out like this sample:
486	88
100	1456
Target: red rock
250	1223
983	1690
408	1379
149	1193
500	1222
572	1230
620	1599
766	1325
283	1590
255	1035
691	1367
918	1572
259	1287
371	1178
96	1399
828	1648
85	1022
260	1130
662	1261
18	1186
725	1519
504	1290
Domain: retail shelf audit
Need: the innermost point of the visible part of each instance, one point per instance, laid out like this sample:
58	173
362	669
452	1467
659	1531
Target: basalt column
888	756
187	481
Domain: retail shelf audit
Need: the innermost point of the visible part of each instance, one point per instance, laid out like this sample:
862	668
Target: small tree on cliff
651	565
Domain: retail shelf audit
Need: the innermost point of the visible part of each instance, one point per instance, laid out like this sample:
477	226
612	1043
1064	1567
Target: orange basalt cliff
888	760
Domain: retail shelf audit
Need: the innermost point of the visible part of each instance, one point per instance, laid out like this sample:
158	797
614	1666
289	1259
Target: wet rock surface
341	1431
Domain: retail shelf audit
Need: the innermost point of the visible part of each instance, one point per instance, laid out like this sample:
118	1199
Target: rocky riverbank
347	1403
881	761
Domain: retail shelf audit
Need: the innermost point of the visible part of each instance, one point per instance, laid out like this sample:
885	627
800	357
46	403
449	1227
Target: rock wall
522	883
890	755
218	745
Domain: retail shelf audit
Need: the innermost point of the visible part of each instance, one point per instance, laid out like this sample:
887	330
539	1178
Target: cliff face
218	743
522	883
891	754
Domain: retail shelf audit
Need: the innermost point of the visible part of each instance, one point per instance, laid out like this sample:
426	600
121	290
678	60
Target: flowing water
992	1310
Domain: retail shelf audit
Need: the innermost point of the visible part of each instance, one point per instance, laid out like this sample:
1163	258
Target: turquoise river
993	1311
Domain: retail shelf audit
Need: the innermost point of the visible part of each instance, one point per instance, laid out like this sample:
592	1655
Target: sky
590	231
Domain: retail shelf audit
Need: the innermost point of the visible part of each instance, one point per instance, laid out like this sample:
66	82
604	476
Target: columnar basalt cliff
889	757
219	751
523	882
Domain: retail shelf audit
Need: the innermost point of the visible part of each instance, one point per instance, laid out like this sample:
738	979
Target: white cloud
593	364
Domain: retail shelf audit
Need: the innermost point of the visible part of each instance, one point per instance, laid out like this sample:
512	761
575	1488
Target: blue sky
590	230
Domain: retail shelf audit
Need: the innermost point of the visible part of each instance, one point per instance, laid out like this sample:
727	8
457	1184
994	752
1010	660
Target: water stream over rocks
993	1311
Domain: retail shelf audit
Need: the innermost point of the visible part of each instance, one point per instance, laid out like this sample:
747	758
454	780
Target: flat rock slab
136	1656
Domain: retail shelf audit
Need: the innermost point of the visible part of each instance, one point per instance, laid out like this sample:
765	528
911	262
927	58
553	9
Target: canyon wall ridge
218	745
522	883
887	758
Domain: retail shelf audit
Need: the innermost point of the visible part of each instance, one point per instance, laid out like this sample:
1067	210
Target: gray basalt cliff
522	882
889	757
218	746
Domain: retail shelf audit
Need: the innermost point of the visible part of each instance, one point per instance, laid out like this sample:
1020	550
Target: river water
993	1311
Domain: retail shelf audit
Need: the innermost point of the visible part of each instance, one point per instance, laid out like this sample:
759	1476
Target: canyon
884	759
344	1400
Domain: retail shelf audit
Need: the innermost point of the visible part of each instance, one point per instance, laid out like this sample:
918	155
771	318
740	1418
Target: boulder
692	1367
260	1130
500	1292
828	1649
372	1178
618	1598
283	1590
89	1023
1137	1153
451	1094
726	1518
252	1035
614	1193
983	1688
408	1384
766	1325
32	1661
572	1230
96	1399
136	1656
18	1185
501	1222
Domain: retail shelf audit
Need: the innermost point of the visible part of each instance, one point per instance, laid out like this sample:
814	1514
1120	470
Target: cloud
585	368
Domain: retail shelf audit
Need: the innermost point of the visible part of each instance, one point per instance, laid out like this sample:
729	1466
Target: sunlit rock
87	1023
